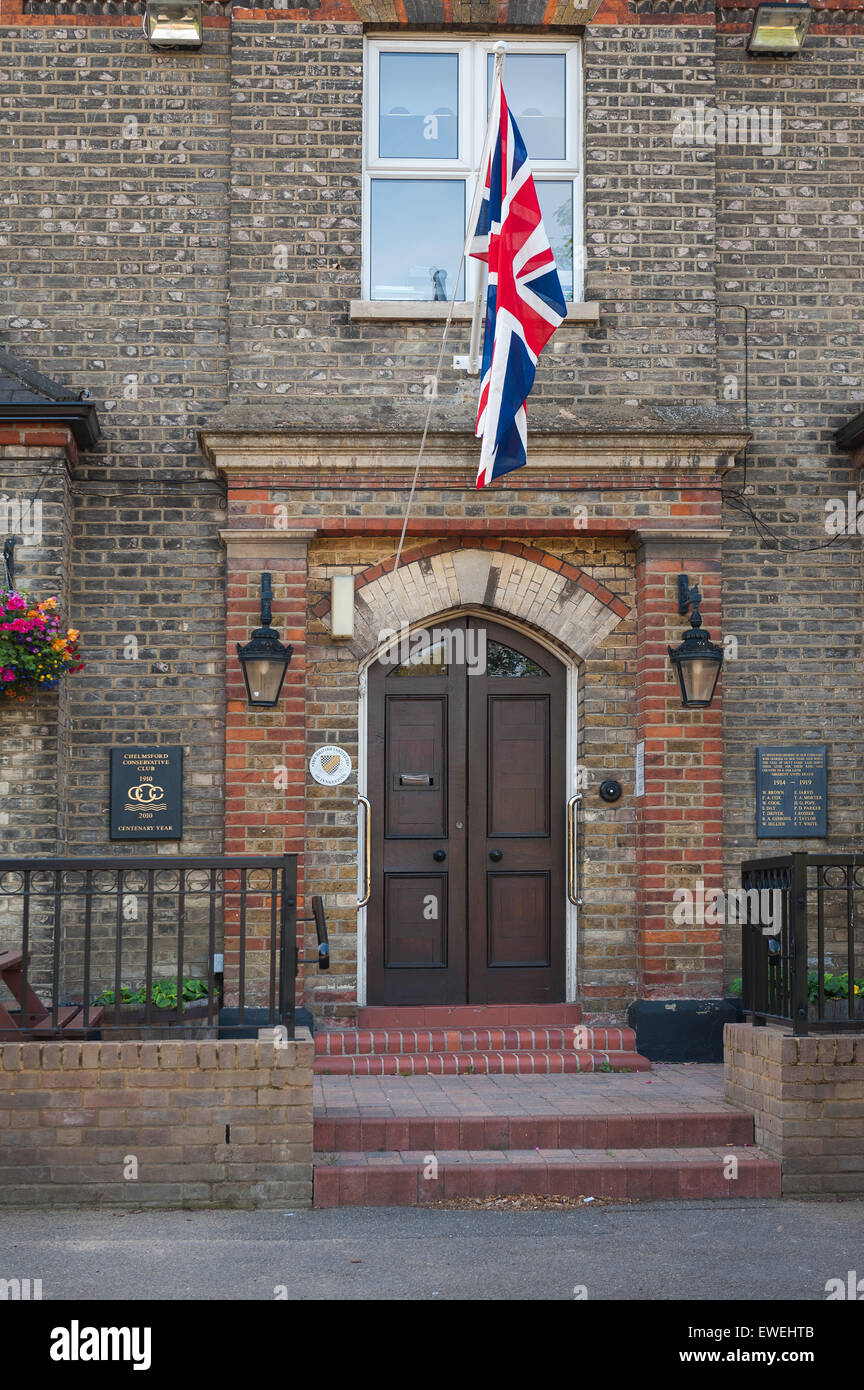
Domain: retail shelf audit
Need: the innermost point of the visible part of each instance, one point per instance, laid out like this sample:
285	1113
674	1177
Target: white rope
500	54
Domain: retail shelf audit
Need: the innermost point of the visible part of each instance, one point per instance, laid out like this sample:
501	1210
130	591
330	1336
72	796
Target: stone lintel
270	541
671	543
286	458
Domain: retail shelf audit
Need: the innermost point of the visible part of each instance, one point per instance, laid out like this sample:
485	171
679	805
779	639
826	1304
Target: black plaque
791	792
146	793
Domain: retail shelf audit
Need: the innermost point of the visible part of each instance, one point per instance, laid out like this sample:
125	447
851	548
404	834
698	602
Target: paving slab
666	1089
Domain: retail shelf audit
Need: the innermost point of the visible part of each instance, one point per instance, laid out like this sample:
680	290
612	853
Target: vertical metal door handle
367	851
571	849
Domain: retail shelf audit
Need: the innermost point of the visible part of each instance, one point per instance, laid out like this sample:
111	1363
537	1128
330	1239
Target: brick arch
506	577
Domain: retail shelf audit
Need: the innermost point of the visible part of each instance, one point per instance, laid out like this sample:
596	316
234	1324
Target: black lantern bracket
688	595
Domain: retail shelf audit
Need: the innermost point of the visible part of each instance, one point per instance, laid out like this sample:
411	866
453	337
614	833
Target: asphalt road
737	1250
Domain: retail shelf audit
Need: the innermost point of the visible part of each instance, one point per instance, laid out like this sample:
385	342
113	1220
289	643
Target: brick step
395	1178
470	1016
522	1063
431	1133
366	1041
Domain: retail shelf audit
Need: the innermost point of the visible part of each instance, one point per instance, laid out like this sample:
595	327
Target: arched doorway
466	774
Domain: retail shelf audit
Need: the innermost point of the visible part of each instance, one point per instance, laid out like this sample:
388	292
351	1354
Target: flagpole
500	51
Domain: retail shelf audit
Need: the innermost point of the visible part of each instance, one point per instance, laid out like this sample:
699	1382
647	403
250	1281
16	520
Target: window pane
556	209
504	661
534	84
418	228
431	661
418	98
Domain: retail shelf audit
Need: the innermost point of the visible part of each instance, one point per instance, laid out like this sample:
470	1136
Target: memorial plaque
146	793
791	792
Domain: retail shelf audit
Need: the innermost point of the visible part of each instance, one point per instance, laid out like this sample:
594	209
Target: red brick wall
680	834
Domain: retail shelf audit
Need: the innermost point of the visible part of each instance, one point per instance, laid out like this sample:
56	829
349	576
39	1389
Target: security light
174	23
342	605
779	29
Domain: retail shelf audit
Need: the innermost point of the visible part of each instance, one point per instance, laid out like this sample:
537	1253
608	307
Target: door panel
467	784
518	921
416	766
518	765
415	921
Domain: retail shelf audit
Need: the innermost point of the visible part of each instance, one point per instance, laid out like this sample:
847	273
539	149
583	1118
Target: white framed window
425	114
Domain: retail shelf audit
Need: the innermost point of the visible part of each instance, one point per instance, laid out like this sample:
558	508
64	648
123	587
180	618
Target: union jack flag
524	301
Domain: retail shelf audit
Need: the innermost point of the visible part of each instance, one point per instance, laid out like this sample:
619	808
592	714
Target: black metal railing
125	946
802	957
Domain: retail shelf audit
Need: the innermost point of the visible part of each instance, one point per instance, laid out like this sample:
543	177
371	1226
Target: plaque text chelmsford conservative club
146	793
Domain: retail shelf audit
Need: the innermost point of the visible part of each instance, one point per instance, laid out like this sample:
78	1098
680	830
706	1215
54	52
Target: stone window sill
434	311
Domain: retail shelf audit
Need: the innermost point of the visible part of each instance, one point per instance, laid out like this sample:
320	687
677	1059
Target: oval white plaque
330	765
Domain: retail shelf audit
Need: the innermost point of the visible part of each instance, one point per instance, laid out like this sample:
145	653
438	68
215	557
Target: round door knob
495	855
439	855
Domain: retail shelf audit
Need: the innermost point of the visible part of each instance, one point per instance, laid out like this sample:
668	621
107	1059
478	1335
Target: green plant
833	986
163	993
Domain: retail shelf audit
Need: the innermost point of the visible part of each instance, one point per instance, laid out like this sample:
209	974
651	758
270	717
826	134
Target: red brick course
680	815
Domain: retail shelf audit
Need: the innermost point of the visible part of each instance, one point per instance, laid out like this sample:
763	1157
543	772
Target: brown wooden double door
466	777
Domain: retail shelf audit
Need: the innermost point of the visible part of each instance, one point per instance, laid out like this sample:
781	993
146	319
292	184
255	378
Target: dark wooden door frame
560	778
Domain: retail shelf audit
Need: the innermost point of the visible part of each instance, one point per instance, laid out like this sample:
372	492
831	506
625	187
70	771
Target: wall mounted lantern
264	658
779	30
173	23
698	660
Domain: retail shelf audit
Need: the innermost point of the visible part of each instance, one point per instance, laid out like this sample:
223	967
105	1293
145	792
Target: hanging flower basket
37	649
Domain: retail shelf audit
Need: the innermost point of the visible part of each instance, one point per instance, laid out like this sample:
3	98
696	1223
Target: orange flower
73	634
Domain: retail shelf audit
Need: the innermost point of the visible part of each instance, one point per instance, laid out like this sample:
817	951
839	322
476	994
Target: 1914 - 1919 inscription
791	792
146	793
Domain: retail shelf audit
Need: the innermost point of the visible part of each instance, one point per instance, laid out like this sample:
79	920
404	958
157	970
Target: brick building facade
184	240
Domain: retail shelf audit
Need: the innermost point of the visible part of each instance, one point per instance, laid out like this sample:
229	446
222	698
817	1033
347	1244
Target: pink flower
6	674
15	601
